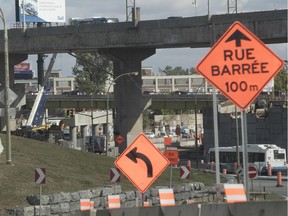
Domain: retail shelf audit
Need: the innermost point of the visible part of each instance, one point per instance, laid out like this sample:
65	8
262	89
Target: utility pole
7	89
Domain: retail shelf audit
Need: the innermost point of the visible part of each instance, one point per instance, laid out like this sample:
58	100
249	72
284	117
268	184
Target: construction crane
37	113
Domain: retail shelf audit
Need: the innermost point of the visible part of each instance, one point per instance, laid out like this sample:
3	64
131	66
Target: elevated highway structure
160	101
128	45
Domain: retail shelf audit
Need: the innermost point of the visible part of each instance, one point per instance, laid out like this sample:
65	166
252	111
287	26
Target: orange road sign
167	141
119	139
142	163
172	154
240	65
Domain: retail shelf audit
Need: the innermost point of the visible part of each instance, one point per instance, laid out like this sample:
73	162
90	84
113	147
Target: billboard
40	11
23	71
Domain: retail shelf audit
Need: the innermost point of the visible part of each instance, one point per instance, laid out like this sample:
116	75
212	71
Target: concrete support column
84	129
128	93
73	135
95	130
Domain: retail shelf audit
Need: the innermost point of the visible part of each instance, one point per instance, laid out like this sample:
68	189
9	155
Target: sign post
115	176
172	155
252	173
40	178
240	65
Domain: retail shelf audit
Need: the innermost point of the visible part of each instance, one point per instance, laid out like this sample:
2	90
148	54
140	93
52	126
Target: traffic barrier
166	197
234	193
269	169
114	201
146	204
86	204
279	179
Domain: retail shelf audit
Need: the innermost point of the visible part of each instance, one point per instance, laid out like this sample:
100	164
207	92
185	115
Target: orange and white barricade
114	201
146	204
86	204
166	197
235	193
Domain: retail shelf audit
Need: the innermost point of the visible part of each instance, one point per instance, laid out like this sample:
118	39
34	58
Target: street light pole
107	103
7	88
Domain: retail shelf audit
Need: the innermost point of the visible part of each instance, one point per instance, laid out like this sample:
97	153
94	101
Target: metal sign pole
216	140
171	176
244	151
40	200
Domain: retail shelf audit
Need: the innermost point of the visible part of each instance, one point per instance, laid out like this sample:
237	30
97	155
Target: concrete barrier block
65	197
96	192
64	207
130	195
85	194
107	191
74	206
74	196
45	210
97	202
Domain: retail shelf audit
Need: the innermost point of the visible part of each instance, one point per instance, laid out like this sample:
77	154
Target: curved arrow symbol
237	36
133	155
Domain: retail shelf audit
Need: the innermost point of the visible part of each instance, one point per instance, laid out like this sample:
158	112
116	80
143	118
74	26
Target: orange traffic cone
279	179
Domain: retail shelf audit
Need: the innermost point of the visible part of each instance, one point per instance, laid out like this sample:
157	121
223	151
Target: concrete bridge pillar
129	102
73	135
95	130
84	129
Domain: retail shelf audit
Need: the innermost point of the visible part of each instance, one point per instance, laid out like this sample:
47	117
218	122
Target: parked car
150	134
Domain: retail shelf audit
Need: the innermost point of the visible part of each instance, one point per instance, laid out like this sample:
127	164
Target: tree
91	72
281	80
170	71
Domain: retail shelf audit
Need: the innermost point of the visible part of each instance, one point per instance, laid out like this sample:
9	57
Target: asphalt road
268	184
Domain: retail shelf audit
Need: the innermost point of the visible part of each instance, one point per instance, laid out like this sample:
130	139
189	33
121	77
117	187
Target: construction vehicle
34	124
37	113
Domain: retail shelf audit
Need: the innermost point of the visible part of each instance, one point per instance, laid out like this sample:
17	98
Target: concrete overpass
99	101
128	46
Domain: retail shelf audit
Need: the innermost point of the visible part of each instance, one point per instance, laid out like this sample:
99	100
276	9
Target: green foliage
281	80
169	71
91	72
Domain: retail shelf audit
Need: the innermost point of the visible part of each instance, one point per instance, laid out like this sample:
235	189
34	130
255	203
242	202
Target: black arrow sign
237	36
133	155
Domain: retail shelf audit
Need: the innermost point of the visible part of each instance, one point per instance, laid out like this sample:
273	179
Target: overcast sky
153	9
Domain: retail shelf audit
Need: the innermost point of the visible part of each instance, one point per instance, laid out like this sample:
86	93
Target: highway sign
240	65
142	163
114	175
184	172
252	172
40	177
119	139
172	154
